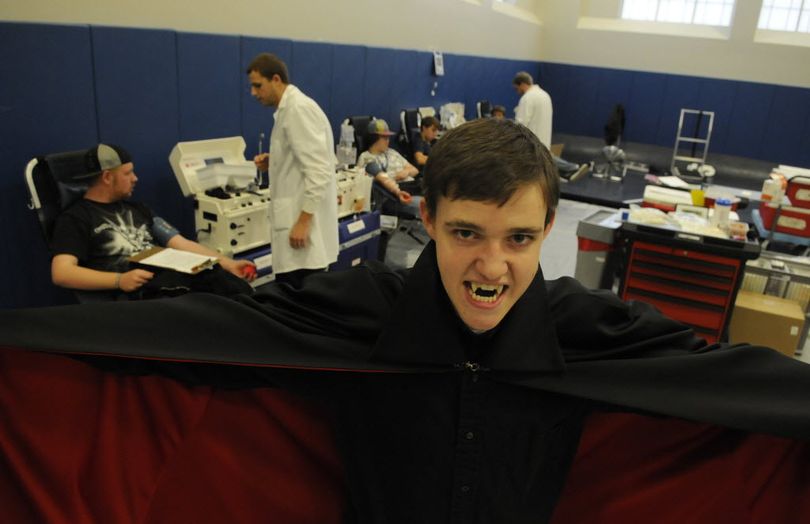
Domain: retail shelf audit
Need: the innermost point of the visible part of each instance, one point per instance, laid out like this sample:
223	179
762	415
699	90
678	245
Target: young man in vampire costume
466	390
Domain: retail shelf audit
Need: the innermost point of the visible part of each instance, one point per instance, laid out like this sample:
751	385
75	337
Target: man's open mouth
484	292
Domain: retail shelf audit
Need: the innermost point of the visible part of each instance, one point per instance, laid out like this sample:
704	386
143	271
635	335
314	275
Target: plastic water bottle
722	209
345	152
347	133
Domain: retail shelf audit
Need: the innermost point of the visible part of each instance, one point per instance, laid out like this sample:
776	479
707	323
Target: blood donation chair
410	121
483	108
53	186
360	125
381	199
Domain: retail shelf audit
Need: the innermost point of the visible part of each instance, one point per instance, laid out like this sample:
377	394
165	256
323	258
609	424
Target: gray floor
557	258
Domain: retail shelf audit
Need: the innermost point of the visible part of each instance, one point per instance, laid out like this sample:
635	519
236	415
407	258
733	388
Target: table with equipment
233	211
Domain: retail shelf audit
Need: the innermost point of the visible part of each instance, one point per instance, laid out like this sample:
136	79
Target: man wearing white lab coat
302	173
534	109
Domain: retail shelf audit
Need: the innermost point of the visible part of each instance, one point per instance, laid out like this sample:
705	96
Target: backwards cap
104	157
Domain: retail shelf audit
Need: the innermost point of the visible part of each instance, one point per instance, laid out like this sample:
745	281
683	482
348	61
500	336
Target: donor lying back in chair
94	237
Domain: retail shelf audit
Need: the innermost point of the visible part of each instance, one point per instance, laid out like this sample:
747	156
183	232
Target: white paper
672	181
177	260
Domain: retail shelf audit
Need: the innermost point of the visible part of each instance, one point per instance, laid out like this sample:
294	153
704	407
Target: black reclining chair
52	187
410	121
360	125
406	220
483	108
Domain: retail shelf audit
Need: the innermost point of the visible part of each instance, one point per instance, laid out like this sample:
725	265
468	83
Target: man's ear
107	176
427	220
547	229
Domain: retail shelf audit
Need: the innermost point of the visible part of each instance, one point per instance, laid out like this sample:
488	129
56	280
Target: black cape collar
424	328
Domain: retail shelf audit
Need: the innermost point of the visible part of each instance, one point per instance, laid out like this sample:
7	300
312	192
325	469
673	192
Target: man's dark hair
430	121
522	78
267	65
499	109
487	160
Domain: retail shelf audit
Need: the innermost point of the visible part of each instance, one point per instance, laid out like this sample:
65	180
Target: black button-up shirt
459	445
447	448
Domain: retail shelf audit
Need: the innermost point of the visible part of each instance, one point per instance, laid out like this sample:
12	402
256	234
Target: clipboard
174	259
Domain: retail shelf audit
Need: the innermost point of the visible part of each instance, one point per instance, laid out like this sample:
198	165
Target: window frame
803	16
732	4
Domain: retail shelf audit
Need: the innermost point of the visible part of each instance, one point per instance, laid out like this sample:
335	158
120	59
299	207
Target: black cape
559	338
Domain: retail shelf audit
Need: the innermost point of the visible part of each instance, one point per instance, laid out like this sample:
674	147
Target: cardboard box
769	321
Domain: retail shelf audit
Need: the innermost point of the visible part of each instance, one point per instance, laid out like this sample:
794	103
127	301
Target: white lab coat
302	178
535	112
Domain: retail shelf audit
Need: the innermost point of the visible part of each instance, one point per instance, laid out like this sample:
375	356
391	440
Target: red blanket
81	445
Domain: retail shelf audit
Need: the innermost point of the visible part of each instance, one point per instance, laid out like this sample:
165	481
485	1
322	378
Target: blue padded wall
210	86
149	89
137	93
411	81
788	128
719	95
679	92
311	71
480	79
747	128
761	121
46	105
582	93
379	83
348	79
613	87
644	107
452	87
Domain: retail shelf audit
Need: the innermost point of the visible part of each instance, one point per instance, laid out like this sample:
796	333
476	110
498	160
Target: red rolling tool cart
688	277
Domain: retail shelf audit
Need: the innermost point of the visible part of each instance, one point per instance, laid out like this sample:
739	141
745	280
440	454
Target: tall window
785	15
703	12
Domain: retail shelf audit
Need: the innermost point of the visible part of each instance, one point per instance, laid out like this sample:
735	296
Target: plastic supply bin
596	258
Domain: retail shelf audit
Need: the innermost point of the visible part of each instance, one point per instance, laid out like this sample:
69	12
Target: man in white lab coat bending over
301	163
534	109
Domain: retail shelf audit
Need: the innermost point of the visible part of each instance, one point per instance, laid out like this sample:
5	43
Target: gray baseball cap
104	157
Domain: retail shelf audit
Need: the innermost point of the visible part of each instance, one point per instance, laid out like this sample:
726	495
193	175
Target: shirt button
465	489
469	435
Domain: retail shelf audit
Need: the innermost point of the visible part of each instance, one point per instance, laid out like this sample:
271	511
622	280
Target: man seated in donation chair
94	237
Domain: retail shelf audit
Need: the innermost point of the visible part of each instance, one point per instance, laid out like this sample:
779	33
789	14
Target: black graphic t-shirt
103	236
